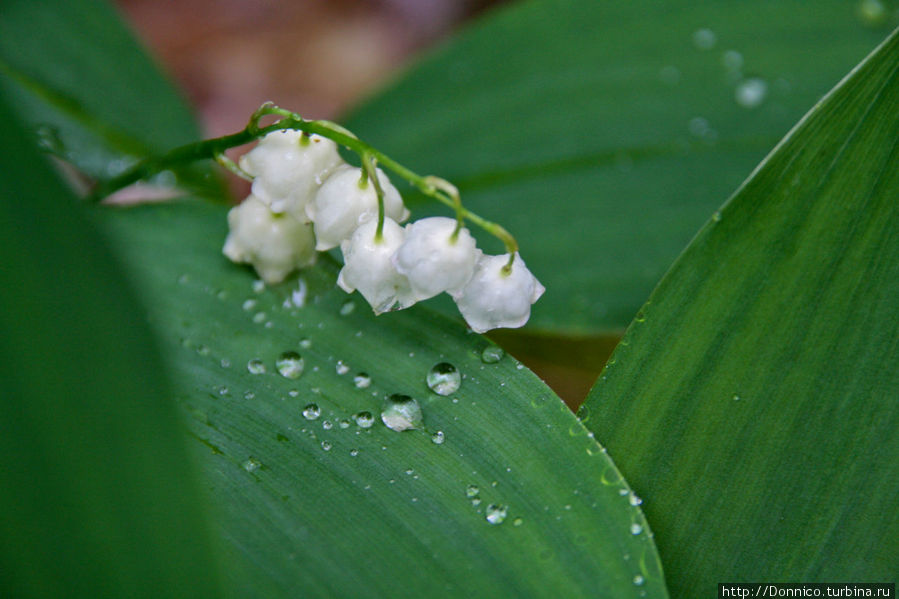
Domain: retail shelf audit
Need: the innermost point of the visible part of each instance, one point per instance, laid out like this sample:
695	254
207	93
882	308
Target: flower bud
433	259
275	244
494	298
368	268
288	167
345	201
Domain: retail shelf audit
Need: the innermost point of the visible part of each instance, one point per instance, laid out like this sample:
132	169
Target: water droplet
438	438
259	317
751	92
341	368
249	304
203	350
184	279
872	12
249	395
732	60
736	397
669	75
258	286
290	364
362	381
444	379
312	412
472	491
401	413
305	343
716	216
638	580
298	297
327	425
492	354
364	419
704	39
347	308
223	390
226	363
634	500
293	393
636	528
343	423
354	452
252	464
256	366
326	445
496	513
517	521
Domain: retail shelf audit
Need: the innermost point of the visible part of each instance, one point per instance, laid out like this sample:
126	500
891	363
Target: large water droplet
444	379
492	354
472	491
636	528
751	92
638	580
496	513
290	364
327	425
256	366
364	419
326	445
362	381
438	438
341	368
312	412
401	413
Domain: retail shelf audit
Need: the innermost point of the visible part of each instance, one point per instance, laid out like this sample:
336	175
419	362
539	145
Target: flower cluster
306	199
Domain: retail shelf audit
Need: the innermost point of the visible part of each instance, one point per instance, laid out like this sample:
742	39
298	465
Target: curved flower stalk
306	199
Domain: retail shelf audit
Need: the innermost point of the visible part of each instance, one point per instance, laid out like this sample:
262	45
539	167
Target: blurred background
316	57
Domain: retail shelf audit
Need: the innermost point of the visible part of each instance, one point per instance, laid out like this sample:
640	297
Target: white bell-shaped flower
433	259
288	167
496	299
275	244
345	201
368	268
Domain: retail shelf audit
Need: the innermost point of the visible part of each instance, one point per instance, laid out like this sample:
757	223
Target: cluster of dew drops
400	412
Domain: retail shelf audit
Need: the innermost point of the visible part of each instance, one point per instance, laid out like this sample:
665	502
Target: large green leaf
97	497
75	74
603	134
324	507
753	400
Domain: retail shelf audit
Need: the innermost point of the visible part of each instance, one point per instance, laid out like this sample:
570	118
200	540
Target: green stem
370	167
433	187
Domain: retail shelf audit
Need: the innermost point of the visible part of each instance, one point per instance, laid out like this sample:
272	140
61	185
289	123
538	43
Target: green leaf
76	75
753	400
320	506
97	497
600	133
